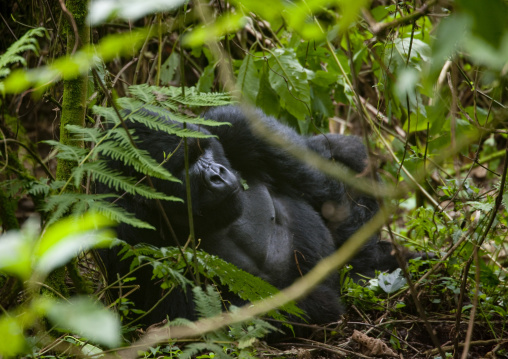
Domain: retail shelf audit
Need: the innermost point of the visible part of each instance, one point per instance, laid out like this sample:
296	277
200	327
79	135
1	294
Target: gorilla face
214	185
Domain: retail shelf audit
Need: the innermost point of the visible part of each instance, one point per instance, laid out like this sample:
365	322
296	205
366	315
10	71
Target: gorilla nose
219	178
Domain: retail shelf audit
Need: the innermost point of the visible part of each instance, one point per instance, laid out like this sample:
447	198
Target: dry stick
476	343
141	52
497	205
414	295
472	315
77	39
379	29
453	123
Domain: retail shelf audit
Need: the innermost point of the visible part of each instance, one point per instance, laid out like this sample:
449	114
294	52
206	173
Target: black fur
289	211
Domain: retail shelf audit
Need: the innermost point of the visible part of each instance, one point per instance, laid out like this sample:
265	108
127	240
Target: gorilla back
275	229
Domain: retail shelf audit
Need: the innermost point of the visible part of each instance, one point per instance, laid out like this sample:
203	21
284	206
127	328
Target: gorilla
288	219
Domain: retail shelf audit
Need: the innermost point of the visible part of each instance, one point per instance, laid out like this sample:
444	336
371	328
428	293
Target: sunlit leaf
225	24
12	341
63	240
102	10
83	316
15	254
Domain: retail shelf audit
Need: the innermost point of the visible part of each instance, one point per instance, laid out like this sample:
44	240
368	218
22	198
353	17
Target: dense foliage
423	82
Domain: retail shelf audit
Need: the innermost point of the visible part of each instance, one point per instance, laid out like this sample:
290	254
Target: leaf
391	282
225	24
102	10
15	254
267	98
11	332
289	79
248	79
63	240
83	316
207	78
169	68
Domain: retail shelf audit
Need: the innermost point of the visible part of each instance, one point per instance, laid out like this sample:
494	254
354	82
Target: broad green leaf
391	282
206	80
226	24
63	240
16	254
102	10
489	19
169	68
270	13
267	98
12	341
83	316
248	79
289	79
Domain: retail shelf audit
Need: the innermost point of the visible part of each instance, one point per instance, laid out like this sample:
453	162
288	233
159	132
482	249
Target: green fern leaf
207	304
114	179
119	147
26	43
67	152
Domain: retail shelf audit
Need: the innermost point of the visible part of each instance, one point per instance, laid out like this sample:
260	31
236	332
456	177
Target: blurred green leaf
16	254
83	316
12	342
62	241
224	25
103	10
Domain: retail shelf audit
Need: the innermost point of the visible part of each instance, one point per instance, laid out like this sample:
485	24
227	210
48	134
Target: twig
77	39
379	29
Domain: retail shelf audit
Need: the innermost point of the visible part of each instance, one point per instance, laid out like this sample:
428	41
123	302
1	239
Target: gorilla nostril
216	179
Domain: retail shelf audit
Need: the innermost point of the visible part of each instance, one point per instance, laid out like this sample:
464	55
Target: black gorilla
290	217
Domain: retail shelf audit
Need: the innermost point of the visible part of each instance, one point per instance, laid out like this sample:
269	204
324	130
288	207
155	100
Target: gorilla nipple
334	212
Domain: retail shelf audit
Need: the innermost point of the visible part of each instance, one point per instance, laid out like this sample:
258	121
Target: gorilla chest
260	240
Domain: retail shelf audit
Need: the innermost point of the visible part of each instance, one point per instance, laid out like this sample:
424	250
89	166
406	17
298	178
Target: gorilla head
214	185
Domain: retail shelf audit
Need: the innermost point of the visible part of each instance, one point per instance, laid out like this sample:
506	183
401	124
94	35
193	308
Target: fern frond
192	98
67	152
119	147
116	180
43	187
108	113
86	134
117	214
244	284
208	304
156	124
178	117
191	350
59	205
25	43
